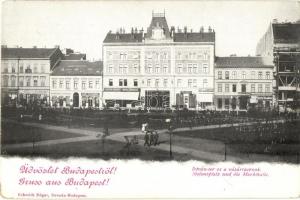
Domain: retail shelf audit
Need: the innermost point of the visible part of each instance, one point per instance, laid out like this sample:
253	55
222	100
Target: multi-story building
243	82
25	74
76	83
282	42
161	68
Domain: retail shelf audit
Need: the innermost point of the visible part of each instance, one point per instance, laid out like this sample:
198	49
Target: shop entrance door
76	99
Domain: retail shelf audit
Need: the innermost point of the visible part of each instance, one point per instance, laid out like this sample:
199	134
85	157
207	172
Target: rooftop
27	52
75	56
78	68
248	61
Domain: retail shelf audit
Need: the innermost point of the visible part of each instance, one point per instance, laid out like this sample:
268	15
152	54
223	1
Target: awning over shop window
121	95
204	97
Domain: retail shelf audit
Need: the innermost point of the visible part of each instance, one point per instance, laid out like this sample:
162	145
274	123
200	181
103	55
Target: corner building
161	68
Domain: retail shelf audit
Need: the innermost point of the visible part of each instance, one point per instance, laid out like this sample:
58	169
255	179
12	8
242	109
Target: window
259	87
43	68
205	56
156	82
157	69
243	75
21	68
148	82
13	81
35	81
205	68
194	68
267	75
123	56
125	69
226	103
76	84
67	84
28	69
252	87
179	83
226	87
35	70
149	68
61	83
135	68
110	68
253	75
43	80
268	88
165	68
227	75
219	74
125	82
135	82
13	68
194	83
190	81
83	85
90	84
220	103
5	67
243	87
205	83
219	87
110	55
54	83
165	82
21	81
110	82
233	87
5	80
190	67
97	84
234	75
28	80
259	75
179	68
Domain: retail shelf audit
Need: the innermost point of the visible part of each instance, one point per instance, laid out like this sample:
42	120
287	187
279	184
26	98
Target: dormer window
157	33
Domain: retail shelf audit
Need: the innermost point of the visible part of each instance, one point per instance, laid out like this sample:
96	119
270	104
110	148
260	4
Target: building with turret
159	68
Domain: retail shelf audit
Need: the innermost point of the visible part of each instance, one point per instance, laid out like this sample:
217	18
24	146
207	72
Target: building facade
25	74
160	68
242	83
76	83
282	42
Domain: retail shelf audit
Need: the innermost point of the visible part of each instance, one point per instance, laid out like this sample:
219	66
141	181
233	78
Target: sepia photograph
158	81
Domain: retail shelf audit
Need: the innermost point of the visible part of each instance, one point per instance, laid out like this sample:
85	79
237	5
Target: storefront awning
121	95
204	97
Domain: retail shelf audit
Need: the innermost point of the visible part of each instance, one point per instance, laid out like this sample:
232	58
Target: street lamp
170	129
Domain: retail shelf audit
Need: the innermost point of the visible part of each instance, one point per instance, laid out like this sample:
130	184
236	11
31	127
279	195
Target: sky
83	25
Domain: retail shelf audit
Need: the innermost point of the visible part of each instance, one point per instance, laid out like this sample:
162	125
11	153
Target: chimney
275	21
3	46
56	46
34	47
185	29
132	31
232	55
117	35
172	31
135	30
191	30
209	29
142	30
201	29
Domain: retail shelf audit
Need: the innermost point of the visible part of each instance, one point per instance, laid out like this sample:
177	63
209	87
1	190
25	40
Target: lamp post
170	129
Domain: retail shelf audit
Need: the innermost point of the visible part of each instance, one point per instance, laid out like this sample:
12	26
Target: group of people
151	136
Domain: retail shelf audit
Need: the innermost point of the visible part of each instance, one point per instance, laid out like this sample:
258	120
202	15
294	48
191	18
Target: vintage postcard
150	99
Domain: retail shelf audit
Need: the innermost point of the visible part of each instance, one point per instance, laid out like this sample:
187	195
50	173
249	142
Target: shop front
121	97
186	99
157	99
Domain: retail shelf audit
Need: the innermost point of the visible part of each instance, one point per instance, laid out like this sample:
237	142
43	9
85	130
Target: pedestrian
146	139
151	138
